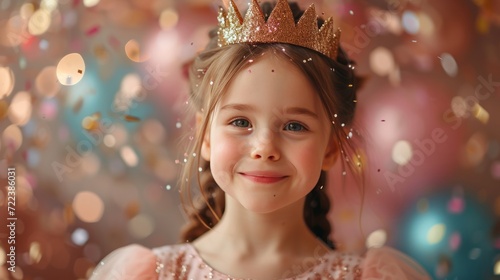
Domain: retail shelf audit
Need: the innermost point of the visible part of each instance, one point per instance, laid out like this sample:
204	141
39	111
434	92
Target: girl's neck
253	233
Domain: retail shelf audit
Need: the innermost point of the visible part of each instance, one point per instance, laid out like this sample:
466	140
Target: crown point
234	13
254	24
281	24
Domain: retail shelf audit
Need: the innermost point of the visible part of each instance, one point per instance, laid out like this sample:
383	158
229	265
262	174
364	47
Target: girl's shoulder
391	264
129	262
376	263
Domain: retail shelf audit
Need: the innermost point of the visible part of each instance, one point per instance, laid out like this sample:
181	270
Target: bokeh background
92	103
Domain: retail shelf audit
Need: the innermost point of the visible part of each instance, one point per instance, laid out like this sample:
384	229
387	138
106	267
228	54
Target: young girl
274	96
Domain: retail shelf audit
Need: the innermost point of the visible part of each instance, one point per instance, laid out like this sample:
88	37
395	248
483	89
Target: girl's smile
263	177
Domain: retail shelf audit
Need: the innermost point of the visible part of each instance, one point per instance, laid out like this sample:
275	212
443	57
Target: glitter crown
279	28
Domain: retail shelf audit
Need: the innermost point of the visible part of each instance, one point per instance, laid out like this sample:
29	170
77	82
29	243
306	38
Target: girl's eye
294	126
240	123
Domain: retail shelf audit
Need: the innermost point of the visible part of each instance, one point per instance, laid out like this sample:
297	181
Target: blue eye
294	126
240	123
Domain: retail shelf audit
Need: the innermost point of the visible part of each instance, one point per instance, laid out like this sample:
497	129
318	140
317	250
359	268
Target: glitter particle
168	187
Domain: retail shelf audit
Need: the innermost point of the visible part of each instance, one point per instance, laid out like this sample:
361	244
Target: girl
273	98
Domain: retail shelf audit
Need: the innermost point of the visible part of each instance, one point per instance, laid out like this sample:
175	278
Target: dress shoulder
389	264
127	263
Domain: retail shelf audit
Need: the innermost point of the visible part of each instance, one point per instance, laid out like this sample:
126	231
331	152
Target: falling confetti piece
130	118
3	109
132	209
78	105
101	52
45	83
70	69
93	30
7	79
134	52
91	122
115	43
96	115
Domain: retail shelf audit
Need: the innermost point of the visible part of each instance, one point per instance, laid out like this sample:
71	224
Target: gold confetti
3	109
130	118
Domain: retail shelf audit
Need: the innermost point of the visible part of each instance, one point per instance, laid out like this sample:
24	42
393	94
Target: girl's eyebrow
290	110
236	106
301	111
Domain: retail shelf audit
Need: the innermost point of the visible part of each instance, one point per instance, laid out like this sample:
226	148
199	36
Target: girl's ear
331	154
205	148
205	145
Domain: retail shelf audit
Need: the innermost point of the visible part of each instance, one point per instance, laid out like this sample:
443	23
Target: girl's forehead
271	81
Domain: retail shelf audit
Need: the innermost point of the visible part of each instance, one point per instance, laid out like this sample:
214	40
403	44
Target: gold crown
279	28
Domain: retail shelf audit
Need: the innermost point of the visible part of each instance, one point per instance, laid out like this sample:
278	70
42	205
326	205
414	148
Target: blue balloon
450	233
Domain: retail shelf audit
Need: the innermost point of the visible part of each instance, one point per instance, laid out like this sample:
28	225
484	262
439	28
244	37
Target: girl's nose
265	146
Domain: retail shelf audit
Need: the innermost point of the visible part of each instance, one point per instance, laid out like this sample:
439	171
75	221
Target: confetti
78	105
93	30
70	69
115	43
130	118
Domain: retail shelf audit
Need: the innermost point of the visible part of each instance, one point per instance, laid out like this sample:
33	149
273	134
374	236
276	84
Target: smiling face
269	136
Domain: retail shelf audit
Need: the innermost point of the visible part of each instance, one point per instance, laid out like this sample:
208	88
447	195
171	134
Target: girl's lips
263	177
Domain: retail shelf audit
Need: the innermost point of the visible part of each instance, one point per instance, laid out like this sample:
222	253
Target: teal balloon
450	233
98	97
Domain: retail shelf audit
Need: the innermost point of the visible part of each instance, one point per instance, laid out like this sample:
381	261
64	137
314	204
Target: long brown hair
209	76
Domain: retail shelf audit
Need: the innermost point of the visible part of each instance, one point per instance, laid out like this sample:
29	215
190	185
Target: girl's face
269	138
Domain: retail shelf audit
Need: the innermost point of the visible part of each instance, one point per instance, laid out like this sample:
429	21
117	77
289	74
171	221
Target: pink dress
182	261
